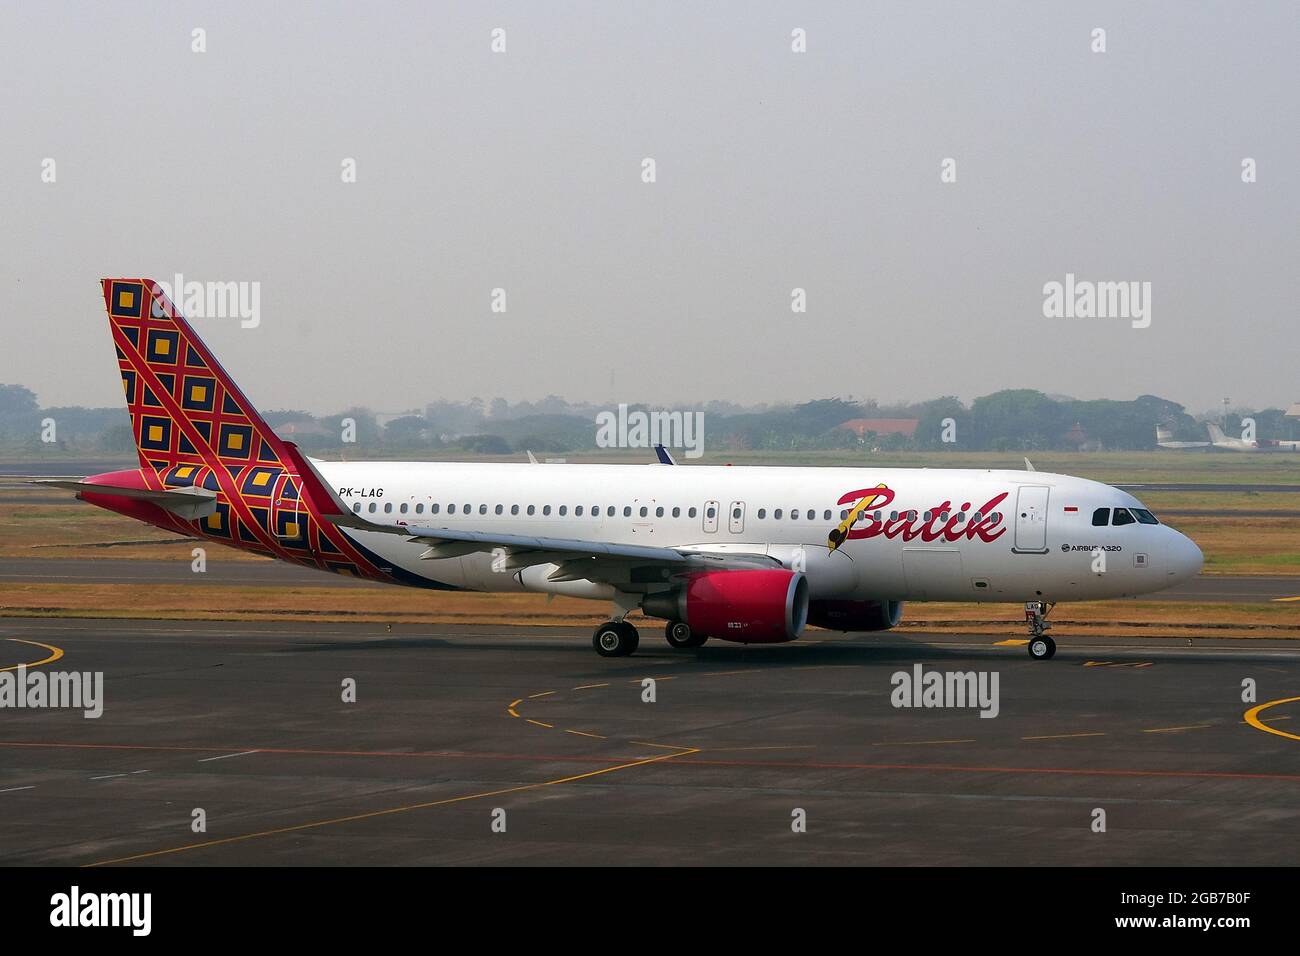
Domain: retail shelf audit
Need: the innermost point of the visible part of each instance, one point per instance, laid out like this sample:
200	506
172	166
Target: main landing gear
615	639
1041	647
679	634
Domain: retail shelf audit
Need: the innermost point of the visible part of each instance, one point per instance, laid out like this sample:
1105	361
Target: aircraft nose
1185	558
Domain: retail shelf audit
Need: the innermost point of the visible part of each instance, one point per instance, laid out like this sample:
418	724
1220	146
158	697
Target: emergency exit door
736	517
710	516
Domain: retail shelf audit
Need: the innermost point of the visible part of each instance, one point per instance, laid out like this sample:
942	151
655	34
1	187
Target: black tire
615	639
1042	648
633	636
679	634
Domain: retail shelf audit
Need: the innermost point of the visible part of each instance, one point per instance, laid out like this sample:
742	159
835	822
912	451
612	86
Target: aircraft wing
577	558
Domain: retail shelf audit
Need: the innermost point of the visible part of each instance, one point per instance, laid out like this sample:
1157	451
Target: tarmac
520	746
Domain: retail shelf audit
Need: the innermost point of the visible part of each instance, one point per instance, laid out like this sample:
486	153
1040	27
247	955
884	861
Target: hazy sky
522	170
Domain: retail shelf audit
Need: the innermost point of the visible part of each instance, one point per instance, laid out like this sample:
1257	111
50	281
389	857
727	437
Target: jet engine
855	615
750	607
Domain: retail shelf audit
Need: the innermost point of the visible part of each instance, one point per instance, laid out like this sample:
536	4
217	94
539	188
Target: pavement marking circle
55	654
1252	717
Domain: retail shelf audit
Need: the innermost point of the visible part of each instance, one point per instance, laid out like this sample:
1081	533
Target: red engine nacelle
855	615
749	607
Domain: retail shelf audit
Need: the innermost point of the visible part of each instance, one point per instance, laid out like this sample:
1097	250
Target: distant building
1079	440
1293	411
300	428
881	426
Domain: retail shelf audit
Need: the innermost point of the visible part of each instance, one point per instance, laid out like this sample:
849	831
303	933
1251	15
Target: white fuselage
937	539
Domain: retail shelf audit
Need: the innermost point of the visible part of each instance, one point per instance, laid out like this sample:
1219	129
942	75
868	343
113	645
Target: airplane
750	555
1165	439
1220	440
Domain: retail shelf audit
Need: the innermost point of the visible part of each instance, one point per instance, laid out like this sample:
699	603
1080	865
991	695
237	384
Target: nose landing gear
1041	647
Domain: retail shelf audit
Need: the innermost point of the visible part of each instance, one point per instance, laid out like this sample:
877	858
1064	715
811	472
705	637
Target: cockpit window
1101	517
1145	516
1122	517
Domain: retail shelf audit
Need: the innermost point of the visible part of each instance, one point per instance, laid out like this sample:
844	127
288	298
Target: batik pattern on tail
193	426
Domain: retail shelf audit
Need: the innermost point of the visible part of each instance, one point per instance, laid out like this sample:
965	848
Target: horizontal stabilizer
187	503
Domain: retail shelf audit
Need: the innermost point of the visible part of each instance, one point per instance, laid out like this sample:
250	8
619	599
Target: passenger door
1031	519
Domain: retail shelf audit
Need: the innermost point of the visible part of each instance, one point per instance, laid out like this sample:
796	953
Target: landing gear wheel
615	639
679	634
1042	648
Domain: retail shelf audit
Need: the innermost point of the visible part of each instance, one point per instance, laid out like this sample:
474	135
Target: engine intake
748	607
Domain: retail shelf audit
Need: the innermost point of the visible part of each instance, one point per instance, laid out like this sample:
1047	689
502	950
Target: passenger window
627	511
827	515
419	509
659	512
677	513
546	509
893	516
451	509
712	512
609	512
1145	516
388	508
373	506
644	511
929	515
794	514
357	507
514	509
777	513
564	509
844	514
433	509
532	509
812	515
735	513
762	512
690	513
482	509
403	508
501	509
577	511
1122	517
1101	517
